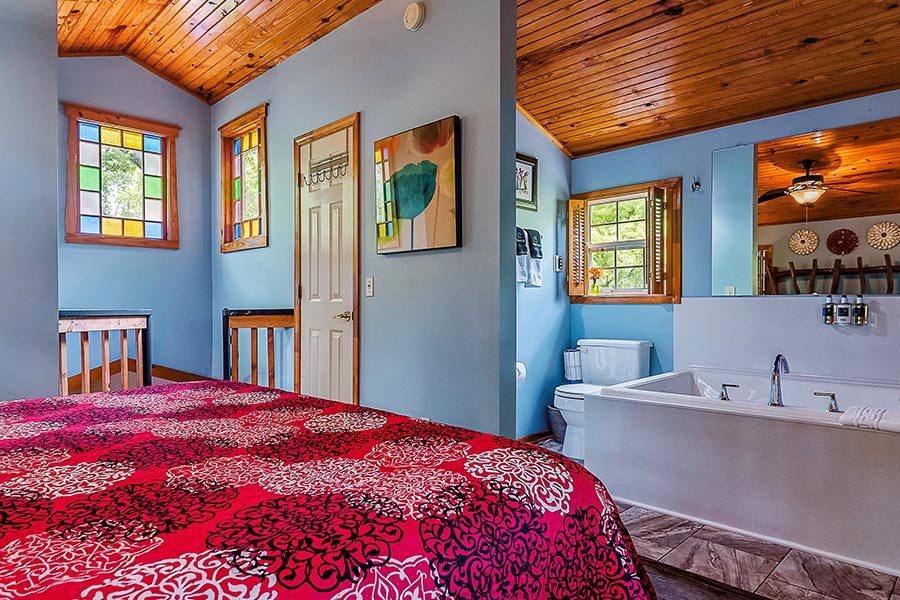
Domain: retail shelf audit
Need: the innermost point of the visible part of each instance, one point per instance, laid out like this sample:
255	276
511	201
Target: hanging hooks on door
327	169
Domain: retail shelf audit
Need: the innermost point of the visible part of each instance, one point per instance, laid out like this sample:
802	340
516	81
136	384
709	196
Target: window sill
623	299
259	241
109	240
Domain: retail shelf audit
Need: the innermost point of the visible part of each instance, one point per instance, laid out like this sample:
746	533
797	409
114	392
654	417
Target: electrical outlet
557	263
730	290
370	287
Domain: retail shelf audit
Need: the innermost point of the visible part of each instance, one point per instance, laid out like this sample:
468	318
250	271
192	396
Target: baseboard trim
115	367
532	438
767	538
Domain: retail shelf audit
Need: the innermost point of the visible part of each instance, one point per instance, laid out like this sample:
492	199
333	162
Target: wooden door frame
349	121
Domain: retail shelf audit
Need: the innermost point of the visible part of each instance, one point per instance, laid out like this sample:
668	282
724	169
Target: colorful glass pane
111	226
237	167
89	132
245	142
89	178
245	229
134	229
238	212
90	203
90	225
153	186
133	140
153	231
237	146
89	154
385	150
153	210
377	155
254	138
121	192
254	228
153	144
111	136
237	231
250	193
152	164
237	188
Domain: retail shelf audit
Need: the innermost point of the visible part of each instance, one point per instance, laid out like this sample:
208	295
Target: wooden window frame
247	122
168	134
665	289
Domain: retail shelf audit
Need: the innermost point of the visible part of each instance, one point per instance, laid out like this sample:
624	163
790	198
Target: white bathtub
792	474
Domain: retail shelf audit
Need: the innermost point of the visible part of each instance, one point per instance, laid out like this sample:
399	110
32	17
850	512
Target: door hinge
299	291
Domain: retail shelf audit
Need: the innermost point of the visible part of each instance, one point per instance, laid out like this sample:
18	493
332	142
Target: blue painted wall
28	287
438	338
177	284
686	157
542	314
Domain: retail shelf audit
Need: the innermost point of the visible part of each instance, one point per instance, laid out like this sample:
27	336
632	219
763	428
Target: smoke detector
414	16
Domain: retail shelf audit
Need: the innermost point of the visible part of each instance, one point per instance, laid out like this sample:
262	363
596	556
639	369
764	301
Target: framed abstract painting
418	188
526	182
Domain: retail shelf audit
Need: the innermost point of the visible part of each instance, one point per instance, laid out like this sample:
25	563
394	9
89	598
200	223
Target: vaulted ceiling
605	74
208	47
597	75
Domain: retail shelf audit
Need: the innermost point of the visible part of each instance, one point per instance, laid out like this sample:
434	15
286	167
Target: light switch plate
370	287
557	263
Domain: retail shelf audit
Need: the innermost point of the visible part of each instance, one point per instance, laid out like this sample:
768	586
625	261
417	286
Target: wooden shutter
656	240
576	251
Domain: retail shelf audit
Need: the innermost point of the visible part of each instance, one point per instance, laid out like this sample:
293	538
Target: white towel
521	256
882	419
533	258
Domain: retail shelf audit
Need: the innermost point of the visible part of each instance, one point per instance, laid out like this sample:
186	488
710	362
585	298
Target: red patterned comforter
220	491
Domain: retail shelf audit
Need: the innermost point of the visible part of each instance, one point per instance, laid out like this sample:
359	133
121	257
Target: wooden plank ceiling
605	74
208	47
862	158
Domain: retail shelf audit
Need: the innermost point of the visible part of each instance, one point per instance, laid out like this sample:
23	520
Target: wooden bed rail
269	319
105	321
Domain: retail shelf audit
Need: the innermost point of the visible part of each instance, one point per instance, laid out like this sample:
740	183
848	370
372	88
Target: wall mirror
812	213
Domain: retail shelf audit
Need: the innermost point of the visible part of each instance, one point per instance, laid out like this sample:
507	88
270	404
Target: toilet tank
608	362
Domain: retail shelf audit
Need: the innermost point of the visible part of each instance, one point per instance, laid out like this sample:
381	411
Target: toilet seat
571	396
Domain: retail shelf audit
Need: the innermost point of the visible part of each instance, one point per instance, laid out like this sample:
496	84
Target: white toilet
603	362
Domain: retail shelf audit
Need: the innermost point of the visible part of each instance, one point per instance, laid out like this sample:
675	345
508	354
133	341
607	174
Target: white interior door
326	260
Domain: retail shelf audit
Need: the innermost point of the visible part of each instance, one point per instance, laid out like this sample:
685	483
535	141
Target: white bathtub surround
791	474
866	417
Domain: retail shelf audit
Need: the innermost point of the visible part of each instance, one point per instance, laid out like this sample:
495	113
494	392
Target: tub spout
779	366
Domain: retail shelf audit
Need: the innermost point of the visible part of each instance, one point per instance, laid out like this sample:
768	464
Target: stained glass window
120	193
244	189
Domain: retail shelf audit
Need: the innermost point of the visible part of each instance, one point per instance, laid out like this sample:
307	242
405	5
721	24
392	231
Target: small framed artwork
526	182
418	188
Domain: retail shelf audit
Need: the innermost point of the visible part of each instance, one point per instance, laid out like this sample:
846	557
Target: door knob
347	315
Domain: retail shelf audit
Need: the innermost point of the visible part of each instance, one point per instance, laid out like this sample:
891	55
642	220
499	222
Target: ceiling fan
805	189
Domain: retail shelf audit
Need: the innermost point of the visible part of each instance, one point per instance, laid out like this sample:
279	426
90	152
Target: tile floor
767	569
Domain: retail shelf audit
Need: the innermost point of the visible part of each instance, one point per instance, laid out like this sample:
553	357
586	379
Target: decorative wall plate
842	242
803	242
884	235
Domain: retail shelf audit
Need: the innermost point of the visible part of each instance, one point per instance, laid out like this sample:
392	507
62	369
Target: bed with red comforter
219	490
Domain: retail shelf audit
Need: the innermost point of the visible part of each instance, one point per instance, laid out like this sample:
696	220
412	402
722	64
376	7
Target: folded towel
521	256
882	419
533	259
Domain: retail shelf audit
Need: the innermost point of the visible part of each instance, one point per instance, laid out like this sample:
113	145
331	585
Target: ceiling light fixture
807	196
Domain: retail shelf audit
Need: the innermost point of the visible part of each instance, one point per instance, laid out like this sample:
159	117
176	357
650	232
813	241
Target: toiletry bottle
860	311
843	312
828	310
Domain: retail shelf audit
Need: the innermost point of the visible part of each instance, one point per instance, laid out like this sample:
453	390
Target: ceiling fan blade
772	194
840	189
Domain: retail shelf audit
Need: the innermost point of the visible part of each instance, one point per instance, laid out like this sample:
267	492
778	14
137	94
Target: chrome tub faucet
779	367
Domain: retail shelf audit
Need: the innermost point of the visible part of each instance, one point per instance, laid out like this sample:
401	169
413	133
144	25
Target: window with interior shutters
624	244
